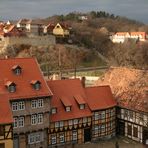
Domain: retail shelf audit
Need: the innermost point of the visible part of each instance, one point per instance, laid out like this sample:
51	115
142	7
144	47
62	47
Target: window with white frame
70	122
40	118
18	71
56	124
37	103
14	106
62	138
21	121
31	139
82	106
75	121
21	105
38	137
96	114
68	108
61	123
18	122
35	137
53	139
34	104
84	120
15	123
74	135
102	128
96	128
103	115
40	103
53	110
33	119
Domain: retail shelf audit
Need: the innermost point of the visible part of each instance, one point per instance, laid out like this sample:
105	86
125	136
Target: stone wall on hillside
33	41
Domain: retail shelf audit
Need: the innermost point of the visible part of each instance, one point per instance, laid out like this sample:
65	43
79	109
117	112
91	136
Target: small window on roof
36	84
11	86
67	104
68	108
82	106
80	101
54	110
17	69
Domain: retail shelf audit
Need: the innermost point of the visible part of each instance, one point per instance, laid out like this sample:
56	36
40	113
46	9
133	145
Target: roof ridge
15	58
98	86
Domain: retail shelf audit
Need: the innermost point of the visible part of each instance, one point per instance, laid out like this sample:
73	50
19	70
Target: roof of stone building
129	86
30	71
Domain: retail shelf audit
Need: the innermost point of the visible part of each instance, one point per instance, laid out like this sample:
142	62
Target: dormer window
11	86
68	109
54	110
17	69
67	104
80	101
82	106
36	84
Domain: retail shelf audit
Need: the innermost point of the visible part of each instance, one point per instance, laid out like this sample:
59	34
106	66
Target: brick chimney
6	57
83	79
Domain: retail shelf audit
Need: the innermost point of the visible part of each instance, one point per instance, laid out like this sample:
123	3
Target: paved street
123	143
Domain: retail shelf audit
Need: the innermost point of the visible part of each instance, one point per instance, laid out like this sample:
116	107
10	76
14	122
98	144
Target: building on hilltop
121	37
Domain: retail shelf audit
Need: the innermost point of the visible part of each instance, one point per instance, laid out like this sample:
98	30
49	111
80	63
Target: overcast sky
16	9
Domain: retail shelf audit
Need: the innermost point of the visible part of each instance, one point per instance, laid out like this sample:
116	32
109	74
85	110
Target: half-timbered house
29	96
80	114
70	115
6	121
130	88
102	105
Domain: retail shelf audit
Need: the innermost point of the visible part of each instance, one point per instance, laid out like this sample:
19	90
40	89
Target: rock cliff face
129	86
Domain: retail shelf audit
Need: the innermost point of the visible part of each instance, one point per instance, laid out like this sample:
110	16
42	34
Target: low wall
34	41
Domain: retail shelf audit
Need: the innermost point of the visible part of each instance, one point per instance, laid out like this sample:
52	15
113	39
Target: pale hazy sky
15	9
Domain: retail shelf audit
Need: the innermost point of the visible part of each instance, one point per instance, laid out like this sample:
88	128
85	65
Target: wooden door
87	135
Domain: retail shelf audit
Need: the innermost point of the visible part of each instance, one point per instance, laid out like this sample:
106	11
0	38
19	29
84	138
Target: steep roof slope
100	97
5	110
65	91
30	72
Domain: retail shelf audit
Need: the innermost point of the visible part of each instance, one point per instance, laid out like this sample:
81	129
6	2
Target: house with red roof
102	106
130	89
6	122
29	101
80	114
121	37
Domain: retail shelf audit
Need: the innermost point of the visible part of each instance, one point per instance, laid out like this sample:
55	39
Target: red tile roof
100	97
5	110
67	89
30	71
79	99
129	86
66	102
